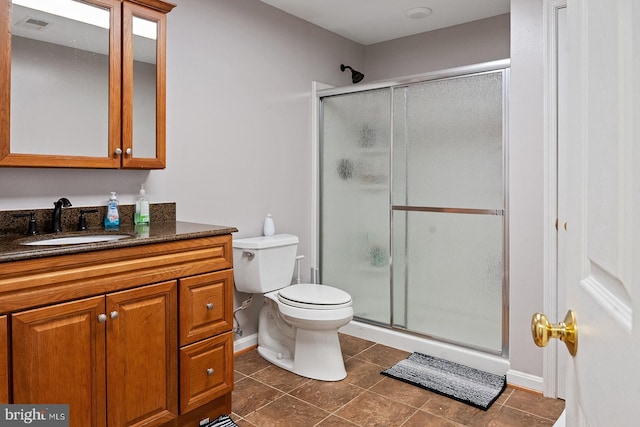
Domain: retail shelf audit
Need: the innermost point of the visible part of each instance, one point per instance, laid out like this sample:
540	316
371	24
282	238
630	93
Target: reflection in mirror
144	87
59	78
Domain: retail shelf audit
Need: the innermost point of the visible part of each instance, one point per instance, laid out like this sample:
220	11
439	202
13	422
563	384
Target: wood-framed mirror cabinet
83	83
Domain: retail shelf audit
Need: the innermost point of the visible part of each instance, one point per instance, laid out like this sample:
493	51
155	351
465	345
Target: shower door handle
567	331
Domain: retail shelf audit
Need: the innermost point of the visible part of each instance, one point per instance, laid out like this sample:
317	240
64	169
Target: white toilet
298	325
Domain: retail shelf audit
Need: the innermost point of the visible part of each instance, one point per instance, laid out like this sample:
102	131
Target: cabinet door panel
58	357
4	361
142	346
143	88
206	305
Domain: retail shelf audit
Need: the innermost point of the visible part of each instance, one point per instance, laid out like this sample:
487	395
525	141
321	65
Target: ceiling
56	26
374	21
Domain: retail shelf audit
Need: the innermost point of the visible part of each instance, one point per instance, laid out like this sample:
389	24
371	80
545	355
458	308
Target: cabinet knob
209	306
129	151
102	318
118	151
210	371
114	314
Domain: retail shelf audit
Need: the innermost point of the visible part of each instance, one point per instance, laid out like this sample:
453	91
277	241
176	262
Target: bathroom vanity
136	331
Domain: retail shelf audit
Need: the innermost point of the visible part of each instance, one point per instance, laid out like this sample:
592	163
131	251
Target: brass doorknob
567	331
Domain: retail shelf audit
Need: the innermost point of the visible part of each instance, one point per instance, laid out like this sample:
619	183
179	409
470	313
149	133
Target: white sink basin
77	240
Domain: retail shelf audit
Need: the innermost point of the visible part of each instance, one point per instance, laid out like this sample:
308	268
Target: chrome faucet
57	213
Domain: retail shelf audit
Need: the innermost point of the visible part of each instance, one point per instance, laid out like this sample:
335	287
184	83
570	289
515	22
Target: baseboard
245	342
403	341
562	421
524	380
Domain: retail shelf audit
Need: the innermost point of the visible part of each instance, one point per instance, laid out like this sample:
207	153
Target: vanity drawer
206	371
206	305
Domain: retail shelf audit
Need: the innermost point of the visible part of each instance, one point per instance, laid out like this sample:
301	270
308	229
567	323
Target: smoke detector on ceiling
418	12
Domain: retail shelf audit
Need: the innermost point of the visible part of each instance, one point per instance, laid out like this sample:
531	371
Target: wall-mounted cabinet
83	83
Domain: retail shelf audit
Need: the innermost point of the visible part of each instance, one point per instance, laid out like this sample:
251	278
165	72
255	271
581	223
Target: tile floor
267	396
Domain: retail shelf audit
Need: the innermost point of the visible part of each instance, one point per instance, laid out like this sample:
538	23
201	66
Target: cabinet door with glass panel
64	71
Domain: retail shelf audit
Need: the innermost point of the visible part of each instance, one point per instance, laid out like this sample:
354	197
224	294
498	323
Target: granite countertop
11	248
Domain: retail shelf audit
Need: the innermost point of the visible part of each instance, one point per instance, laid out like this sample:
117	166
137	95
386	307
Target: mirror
145	34
60	78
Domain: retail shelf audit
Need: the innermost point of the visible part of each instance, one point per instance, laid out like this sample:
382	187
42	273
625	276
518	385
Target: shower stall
412	218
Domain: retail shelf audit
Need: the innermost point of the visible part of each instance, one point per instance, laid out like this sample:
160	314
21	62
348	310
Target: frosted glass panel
354	203
448	143
447	276
427	255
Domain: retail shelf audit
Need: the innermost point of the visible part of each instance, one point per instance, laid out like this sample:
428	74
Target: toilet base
302	341
317	356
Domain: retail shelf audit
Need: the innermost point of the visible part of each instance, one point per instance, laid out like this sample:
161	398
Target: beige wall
471	43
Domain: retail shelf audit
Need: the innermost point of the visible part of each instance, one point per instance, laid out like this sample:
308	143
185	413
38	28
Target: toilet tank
264	264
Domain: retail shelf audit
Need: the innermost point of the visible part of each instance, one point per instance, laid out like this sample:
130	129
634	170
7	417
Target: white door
603	213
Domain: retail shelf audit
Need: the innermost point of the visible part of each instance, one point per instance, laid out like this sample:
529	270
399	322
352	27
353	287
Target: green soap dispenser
142	208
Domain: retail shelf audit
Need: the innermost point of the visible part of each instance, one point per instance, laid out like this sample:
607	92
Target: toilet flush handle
248	254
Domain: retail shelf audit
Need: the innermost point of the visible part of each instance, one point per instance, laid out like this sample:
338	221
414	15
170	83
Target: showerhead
356	76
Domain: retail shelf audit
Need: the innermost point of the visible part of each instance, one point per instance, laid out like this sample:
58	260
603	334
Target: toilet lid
307	295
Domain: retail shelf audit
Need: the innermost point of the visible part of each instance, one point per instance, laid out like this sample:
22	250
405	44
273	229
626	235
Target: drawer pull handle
210	306
102	318
114	314
210	371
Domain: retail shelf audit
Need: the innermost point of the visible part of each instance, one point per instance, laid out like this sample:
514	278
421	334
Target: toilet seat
312	296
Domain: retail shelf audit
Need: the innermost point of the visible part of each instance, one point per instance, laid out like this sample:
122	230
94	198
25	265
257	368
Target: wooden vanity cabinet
118	358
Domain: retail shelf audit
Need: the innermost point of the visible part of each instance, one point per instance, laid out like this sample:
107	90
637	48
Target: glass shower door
355	199
448	204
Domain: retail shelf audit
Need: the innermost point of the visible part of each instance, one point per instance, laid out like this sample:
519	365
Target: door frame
552	377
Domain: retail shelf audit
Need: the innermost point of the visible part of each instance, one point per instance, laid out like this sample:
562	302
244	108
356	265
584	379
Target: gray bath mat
462	383
222	421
